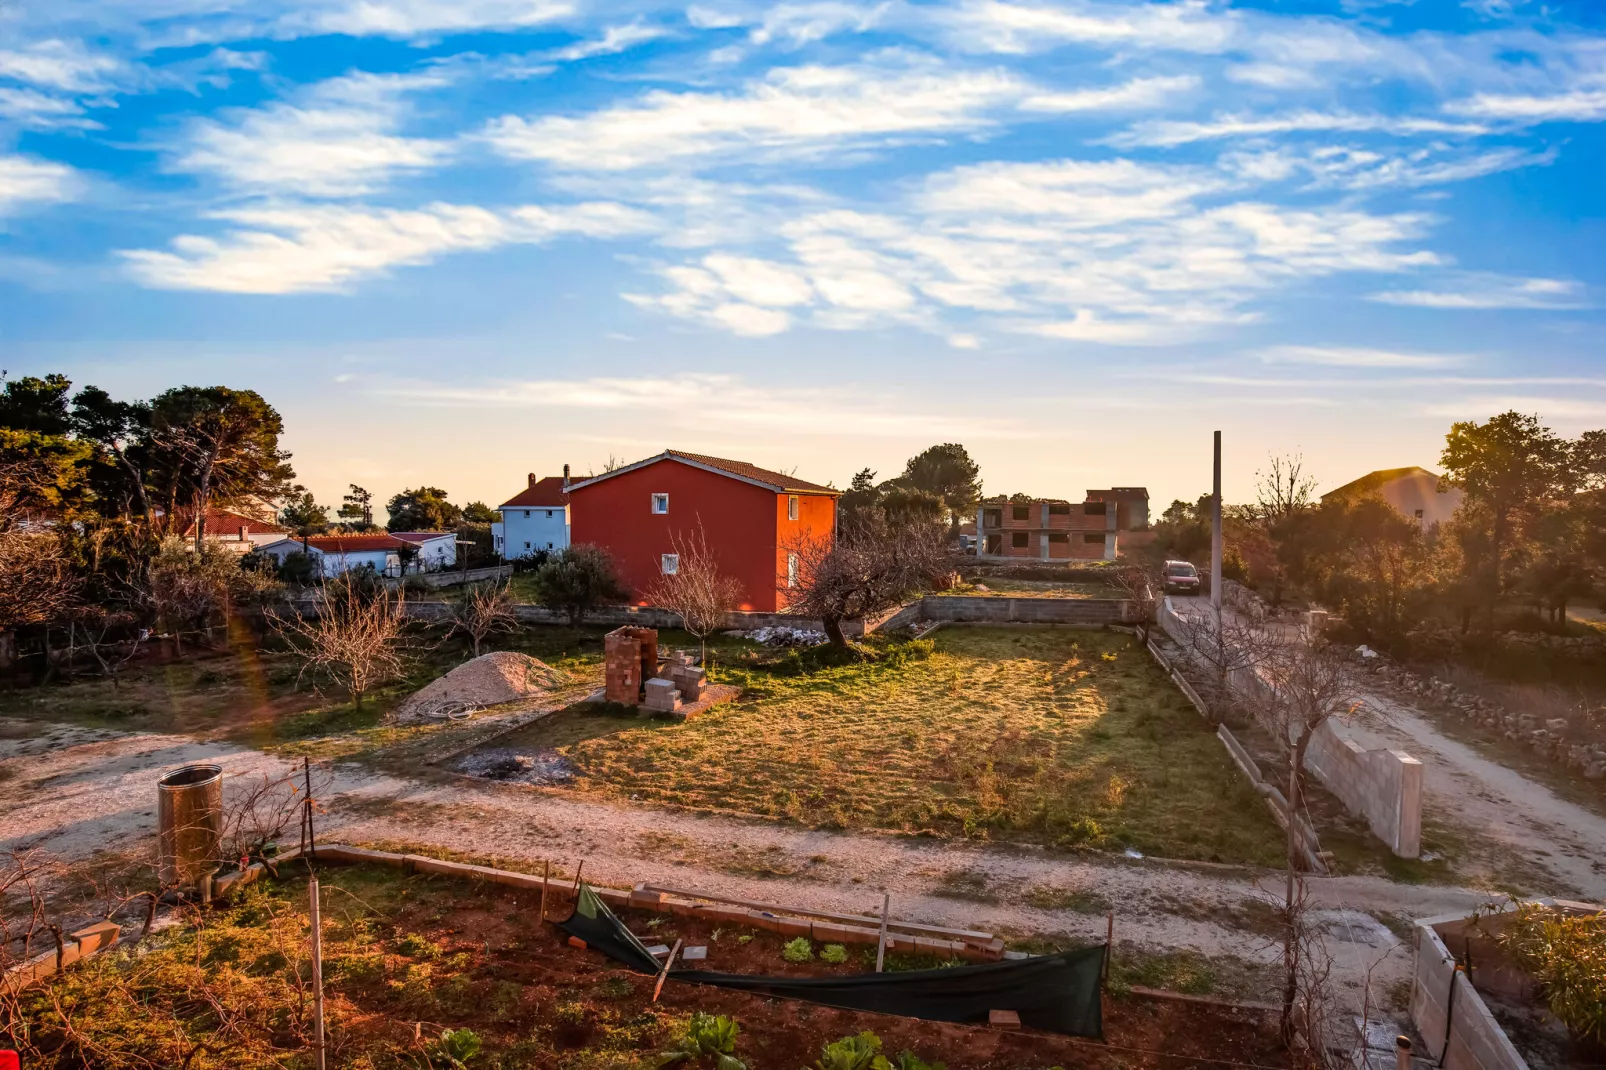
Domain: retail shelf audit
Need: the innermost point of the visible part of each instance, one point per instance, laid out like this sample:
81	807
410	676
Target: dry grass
1000	587
1070	738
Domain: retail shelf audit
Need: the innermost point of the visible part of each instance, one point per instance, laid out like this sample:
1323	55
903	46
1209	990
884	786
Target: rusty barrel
189	823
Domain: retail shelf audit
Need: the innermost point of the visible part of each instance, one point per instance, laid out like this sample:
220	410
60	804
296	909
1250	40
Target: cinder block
1003	1019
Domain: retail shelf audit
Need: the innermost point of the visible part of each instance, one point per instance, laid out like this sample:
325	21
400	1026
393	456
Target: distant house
534	519
335	554
1414	491
751	519
436	549
238	532
1057	529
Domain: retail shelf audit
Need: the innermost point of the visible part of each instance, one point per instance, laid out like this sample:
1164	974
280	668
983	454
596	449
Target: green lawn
1053	736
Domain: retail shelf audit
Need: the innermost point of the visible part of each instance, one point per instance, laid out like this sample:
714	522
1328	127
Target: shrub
1566	954
799	950
835	954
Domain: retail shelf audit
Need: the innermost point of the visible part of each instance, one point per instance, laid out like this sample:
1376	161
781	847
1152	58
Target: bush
1566	954
799	950
835	954
578	579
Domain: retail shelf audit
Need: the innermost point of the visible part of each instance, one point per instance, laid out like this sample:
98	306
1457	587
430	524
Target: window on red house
670	563
660	503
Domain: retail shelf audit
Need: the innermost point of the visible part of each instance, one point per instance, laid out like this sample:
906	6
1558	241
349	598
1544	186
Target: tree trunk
203	498
833	632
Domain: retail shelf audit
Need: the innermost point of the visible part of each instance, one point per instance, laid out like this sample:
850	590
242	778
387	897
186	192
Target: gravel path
77	792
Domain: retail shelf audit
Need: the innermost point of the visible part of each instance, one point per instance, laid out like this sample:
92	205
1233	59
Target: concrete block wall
981	609
1457	1026
1383	786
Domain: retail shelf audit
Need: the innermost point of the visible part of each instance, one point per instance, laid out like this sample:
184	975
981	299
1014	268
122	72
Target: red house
749	517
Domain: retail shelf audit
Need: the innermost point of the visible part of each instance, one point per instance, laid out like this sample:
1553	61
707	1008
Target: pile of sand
488	680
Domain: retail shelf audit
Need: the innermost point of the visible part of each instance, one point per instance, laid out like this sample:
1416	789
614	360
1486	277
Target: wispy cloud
1138	93
1355	168
416	18
26	180
61	65
1578	105
1354	357
1480	291
614	39
309	248
1166	133
338	138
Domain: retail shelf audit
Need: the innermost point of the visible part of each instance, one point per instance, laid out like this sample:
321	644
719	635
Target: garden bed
410	956
1063	737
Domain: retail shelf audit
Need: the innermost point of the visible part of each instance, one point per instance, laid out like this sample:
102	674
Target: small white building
436	549
536	518
337	553
238	532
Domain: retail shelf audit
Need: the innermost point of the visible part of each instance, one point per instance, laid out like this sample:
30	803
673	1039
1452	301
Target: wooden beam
663	974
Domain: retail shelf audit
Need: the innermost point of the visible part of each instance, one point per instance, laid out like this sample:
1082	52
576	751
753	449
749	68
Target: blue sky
455	241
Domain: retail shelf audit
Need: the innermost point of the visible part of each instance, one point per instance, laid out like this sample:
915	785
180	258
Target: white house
436	549
1414	491
536	518
337	553
238	532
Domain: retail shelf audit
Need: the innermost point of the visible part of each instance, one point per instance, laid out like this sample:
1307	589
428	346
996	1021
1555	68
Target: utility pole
1215	538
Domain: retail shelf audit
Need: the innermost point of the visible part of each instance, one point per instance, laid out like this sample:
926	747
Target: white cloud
415	18
996	26
614	39
1138	93
1166	133
61	65
1113	252
1357	168
790	110
43	111
336	139
25	180
1476	291
1578	105
798	24
1357	357
297	249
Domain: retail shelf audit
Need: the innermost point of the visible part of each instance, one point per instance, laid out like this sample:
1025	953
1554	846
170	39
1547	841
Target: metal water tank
189	823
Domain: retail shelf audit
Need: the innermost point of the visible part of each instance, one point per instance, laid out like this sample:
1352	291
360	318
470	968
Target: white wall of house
384	562
496	537
436	554
539	527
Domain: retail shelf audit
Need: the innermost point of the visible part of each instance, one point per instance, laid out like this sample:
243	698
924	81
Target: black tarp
1058	993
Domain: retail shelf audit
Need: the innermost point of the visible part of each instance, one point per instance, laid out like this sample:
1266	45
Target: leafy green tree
861	496
302	514
1508	465
947	473
34	404
357	507
578	579
480	513
221	445
117	428
422	509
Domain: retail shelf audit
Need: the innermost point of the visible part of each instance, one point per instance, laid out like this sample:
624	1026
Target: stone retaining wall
992	609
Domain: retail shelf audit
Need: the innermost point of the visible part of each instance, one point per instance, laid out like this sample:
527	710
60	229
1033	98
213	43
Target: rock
1596	771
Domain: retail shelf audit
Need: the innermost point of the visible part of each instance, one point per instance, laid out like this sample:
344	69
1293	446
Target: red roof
228	522
545	493
779	482
355	544
423	536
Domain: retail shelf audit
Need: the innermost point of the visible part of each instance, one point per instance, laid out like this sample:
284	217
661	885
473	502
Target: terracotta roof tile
228	522
546	493
355	544
743	470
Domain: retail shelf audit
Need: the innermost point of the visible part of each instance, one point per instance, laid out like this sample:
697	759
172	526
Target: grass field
1001	587
1069	738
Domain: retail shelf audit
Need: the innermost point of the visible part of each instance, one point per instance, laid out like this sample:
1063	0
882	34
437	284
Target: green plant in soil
453	1050
707	1037
798	950
1069	738
862	1052
1566	954
835	954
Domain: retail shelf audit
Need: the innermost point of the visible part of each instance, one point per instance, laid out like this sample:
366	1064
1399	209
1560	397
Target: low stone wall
1383	786
451	577
615	616
992	609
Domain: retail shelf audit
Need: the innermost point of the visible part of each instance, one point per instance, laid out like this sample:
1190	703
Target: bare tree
697	591
1299	688
37	585
100	627
873	564
482	609
1142	585
1283	488
353	636
1226	646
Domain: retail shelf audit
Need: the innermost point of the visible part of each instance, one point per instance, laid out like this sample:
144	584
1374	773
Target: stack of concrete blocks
630	657
662	696
688	678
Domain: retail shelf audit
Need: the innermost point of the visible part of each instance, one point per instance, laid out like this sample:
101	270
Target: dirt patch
489	680
544	766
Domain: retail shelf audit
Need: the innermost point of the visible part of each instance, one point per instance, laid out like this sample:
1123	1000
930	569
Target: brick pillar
621	660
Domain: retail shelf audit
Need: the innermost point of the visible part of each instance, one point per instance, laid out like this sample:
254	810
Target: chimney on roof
565	479
532	480
243	536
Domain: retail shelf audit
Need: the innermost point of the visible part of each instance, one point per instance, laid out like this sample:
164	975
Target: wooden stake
1109	946
663	974
881	944
312	838
574	892
317	975
546	879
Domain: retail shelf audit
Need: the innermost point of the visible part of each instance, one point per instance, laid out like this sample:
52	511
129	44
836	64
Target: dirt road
79	792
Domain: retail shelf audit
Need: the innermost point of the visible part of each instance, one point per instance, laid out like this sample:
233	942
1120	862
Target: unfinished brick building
1055	529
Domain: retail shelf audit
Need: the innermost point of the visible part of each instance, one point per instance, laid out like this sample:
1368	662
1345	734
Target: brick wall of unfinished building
1047	531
